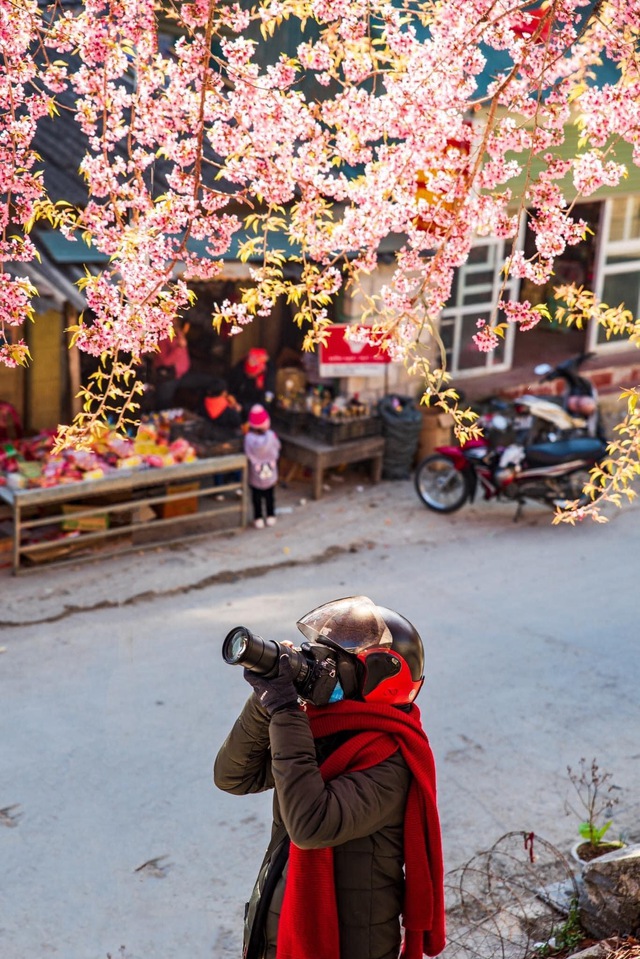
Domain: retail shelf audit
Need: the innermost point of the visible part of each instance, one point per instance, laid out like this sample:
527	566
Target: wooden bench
319	456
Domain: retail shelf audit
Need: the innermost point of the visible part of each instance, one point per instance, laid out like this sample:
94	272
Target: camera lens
241	647
235	645
244	648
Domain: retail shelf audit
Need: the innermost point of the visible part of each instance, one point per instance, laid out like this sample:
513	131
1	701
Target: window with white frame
477	287
618	270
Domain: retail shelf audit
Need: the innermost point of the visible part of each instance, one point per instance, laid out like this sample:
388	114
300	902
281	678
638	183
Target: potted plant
596	797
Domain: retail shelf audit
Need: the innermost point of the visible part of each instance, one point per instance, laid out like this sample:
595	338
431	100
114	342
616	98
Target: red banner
343	357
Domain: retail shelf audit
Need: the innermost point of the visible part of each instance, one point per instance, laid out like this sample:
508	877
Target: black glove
278	692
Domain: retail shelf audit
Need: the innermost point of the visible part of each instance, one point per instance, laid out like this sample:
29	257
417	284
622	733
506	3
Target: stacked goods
325	417
31	462
339	419
20	458
322	404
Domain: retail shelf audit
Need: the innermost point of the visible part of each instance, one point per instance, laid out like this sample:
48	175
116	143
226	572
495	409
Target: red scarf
310	878
215	406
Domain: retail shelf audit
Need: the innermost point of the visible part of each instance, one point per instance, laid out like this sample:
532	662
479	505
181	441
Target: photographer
355	841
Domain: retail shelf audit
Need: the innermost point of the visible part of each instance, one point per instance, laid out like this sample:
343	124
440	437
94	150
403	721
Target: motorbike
576	412
552	473
532	448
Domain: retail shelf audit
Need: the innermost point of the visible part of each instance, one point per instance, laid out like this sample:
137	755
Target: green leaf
585	830
604	829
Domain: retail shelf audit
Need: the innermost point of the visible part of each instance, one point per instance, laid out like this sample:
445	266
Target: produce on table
30	462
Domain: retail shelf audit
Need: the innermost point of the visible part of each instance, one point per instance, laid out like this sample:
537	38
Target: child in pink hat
262	449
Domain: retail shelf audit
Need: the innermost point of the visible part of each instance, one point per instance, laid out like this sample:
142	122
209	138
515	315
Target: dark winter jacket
248	391
360	815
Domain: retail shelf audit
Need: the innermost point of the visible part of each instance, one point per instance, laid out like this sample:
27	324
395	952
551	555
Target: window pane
479	254
446	335
470	357
473	279
634	218
454	289
618	211
622	288
446	332
632	260
482	297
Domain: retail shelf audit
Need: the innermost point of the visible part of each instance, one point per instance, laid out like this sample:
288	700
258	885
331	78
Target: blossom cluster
380	124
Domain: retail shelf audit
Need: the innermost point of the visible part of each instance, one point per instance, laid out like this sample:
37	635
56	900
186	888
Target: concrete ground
351	515
115	700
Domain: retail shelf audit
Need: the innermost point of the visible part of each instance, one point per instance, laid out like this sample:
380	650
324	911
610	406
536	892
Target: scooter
553	473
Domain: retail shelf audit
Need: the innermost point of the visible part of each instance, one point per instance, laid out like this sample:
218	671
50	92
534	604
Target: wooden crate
183	506
85	524
342	431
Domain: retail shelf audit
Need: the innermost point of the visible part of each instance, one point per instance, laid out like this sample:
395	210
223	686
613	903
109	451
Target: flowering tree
381	123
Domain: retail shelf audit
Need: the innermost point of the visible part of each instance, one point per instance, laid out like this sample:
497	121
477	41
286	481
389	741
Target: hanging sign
342	357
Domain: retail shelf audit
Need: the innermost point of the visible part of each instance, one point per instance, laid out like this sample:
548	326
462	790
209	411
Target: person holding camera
355	842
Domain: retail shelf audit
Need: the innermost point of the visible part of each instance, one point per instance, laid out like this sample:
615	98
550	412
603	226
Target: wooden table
319	456
127	510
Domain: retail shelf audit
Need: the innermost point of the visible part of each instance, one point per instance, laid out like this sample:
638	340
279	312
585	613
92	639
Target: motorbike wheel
440	485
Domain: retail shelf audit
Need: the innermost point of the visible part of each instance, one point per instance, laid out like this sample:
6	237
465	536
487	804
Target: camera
316	668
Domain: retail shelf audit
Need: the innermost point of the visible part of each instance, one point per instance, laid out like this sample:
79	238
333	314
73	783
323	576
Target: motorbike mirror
542	368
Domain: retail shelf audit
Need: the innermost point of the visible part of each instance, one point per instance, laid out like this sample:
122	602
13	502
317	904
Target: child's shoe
271	521
259	523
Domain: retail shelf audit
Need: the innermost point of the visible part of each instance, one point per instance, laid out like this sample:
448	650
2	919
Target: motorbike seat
579	447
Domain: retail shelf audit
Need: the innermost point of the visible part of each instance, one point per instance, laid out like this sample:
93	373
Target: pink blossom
337	174
522	313
486	339
590	172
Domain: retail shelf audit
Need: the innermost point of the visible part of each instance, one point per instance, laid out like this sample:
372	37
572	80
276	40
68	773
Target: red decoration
531	21
455	151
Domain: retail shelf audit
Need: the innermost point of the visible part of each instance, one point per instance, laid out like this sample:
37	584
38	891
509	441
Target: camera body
316	668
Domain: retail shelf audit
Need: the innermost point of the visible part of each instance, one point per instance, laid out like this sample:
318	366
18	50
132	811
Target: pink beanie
259	418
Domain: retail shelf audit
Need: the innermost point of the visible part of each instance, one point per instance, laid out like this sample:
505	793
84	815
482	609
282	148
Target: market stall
319	430
130	510
122	494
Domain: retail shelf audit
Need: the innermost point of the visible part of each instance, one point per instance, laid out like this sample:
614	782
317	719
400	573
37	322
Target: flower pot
583	852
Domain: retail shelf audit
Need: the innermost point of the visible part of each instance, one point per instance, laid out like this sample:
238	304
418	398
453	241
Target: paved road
115	700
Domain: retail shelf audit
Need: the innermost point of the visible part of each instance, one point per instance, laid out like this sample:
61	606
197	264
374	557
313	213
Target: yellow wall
12	387
44	381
